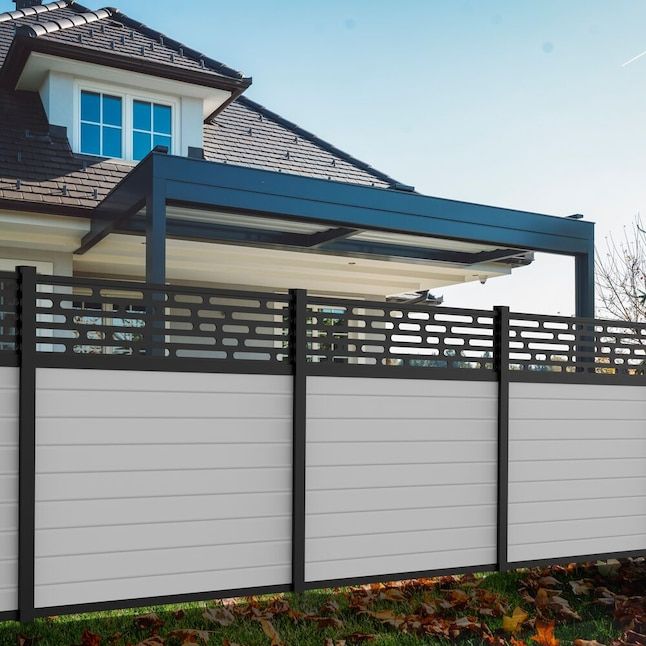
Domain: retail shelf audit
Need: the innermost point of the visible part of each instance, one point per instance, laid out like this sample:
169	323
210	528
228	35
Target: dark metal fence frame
296	363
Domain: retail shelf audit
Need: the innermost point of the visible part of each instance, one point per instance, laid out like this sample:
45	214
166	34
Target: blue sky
516	103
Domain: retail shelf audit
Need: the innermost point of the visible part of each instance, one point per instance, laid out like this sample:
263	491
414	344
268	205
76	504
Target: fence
164	444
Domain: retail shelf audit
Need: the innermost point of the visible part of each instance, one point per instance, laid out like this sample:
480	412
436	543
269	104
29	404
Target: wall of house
46	262
156	483
59	95
401	476
577	483
8	489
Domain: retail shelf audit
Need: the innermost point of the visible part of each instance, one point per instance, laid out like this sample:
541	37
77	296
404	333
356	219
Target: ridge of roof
33	11
305	134
52	26
131	23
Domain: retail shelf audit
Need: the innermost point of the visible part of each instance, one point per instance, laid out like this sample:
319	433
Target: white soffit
204	263
41	232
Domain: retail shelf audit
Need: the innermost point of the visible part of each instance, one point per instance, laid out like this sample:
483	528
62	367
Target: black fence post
501	358
298	354
26	329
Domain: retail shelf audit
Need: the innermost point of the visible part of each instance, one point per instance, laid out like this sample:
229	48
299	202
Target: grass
119	628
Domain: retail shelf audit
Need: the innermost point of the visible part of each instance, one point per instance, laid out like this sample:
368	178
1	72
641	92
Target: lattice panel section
8	316
382	334
560	344
79	316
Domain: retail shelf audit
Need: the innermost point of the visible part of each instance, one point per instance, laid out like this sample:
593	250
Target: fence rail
90	319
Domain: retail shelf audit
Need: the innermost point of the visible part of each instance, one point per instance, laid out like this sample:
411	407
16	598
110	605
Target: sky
516	103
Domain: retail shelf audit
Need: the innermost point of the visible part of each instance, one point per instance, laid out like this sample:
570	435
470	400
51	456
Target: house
210	382
86	96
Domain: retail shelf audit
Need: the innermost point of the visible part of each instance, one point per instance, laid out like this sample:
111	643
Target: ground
587	605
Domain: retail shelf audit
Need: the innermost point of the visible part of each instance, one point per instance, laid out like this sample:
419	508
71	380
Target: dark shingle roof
107	31
247	134
37	165
38	169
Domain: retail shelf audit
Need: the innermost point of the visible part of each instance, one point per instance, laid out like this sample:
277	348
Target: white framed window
152	125
119	124
101	124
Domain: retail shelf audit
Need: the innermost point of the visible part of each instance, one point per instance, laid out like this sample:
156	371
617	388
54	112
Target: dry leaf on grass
586	642
545	634
90	639
584	586
151	622
219	615
512	625
189	636
154	640
271	632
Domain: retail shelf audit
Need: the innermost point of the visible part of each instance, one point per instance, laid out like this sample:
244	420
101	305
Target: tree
621	274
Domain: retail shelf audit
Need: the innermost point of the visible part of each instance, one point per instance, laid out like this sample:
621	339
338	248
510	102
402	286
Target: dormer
118	87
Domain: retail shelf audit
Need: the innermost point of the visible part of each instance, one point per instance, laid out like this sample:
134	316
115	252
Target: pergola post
155	237
584	283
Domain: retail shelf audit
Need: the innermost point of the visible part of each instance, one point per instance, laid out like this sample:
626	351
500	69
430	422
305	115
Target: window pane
111	110
141	145
112	142
90	139
161	140
162	114
141	116
90	107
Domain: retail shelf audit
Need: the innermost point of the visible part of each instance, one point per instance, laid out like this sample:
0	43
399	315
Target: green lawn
467	609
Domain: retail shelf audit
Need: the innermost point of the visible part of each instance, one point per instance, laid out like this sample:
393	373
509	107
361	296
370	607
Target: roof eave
24	44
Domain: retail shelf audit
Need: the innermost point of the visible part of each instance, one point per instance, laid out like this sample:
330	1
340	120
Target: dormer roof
107	37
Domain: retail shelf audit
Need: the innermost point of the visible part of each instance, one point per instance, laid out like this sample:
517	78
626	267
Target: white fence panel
577	475
8	489
401	476
155	483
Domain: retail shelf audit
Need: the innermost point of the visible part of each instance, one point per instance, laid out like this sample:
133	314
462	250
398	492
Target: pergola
359	221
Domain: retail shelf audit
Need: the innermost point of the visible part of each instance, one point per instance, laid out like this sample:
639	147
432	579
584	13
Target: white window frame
128	97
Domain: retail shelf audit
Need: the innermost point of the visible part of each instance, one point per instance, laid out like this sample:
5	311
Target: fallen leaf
271	632
326	622
584	586
562	606
609	568
23	640
542	598
219	615
334	642
392	594
151	622
330	607
154	640
545	634
586	642
189	636
511	625
90	639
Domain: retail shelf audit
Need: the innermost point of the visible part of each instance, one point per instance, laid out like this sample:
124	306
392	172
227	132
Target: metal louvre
556	344
396	335
96	318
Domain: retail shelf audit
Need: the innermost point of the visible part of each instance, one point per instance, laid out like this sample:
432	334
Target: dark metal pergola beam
209	185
